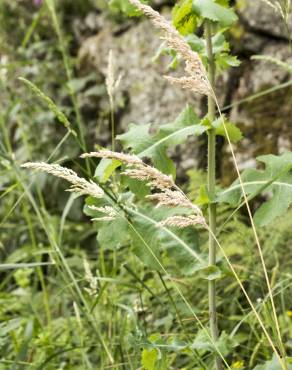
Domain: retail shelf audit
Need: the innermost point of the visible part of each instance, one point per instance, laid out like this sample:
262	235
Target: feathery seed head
111	82
104	153
196	77
183	221
93	286
78	184
109	213
165	191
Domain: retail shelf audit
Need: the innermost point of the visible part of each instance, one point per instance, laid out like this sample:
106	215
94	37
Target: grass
51	317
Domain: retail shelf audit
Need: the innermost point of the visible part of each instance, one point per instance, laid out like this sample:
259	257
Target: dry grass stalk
196	77
165	191
112	83
78	184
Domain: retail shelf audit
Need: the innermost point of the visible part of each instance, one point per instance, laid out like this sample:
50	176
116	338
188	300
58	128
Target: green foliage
276	178
51	105
272	365
149	358
148	241
184	20
125	7
221	50
145	144
50	319
233	131
105	169
187	14
212	10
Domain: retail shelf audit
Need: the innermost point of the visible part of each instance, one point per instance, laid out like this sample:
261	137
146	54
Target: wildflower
289	313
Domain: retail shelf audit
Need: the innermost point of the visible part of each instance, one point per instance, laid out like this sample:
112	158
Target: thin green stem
211	190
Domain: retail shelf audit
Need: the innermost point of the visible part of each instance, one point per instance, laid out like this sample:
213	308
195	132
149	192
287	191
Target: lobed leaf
154	146
275	180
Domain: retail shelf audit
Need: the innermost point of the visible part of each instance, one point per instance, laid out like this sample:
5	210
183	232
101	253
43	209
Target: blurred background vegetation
48	318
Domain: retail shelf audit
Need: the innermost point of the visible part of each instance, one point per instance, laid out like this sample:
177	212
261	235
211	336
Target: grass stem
211	190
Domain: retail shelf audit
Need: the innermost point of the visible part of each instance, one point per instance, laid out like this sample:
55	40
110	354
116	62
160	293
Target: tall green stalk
211	189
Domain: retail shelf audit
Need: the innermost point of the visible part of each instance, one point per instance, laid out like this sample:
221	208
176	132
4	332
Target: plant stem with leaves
211	188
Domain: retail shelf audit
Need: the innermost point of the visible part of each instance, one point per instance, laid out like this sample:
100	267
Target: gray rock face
266	121
261	17
146	97
151	98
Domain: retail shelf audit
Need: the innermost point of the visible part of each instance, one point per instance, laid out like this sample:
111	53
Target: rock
145	96
260	17
151	97
266	121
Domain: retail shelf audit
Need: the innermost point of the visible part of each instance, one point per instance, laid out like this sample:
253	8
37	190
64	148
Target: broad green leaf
183	19
203	343
275	179
211	273
210	9
224	61
105	169
151	240
137	187
154	146
233	131
272	364
149	358
110	234
203	196
186	264
113	234
145	242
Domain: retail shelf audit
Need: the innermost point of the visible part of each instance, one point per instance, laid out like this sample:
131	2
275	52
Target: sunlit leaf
215	12
184	20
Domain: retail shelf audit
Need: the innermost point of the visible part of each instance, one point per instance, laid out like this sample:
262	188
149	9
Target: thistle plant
148	210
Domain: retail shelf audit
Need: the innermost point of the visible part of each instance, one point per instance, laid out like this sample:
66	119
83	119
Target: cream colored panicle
111	82
109	213
104	153
92	280
183	221
196	77
78	184
164	190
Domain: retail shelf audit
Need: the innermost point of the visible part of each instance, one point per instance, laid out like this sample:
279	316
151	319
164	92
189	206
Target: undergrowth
130	270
